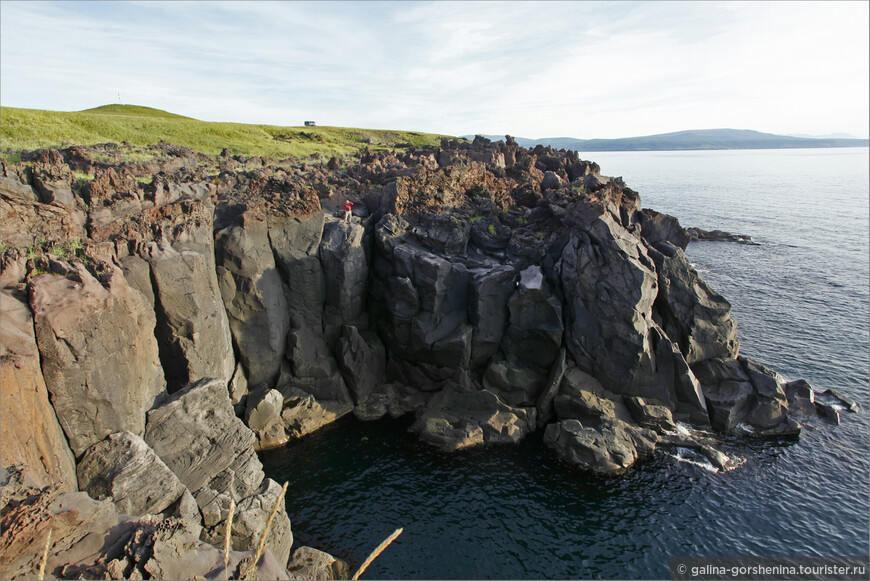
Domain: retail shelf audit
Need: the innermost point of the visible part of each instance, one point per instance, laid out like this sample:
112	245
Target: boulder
198	436
842	399
443	233
29	429
582	397
99	354
303	414
12	188
91	540
801	397
125	470
211	451
250	522
390	399
263	416
650	415
309	563
610	447
828	411
455	419
255	298
551	180
743	393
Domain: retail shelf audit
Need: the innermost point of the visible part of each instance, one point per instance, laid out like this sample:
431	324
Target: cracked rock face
123	468
99	354
31	433
487	288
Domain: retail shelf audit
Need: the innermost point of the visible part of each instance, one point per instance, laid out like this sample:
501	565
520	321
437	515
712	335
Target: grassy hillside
33	129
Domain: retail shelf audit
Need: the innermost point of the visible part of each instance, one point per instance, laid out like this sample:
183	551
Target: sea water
801	301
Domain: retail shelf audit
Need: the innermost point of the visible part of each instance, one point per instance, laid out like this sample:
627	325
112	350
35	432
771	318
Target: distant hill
688	140
133	110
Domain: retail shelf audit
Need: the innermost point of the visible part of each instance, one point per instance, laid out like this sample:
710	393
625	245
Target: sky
529	69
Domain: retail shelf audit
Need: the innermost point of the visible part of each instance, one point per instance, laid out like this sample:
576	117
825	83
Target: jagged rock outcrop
192	329
531	341
91	540
197	435
456	419
609	447
694	316
29	429
656	227
255	297
99	354
263	416
124	469
487	288
743	394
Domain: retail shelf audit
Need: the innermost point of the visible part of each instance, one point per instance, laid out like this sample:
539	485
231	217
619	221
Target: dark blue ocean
801	301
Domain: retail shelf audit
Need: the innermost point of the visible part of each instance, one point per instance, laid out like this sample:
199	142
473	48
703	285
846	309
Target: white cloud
532	69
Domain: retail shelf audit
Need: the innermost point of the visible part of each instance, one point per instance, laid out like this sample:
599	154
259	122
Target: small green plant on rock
491	228
540	235
58	250
476	219
34	251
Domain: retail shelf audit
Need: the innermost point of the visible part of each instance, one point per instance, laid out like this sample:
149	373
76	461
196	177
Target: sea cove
800	299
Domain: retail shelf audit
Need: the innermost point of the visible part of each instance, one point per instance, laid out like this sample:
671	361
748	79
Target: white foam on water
692	457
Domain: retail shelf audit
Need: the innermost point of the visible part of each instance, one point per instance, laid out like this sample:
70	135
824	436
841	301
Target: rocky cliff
172	316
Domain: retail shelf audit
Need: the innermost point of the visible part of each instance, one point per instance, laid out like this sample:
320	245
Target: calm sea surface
801	302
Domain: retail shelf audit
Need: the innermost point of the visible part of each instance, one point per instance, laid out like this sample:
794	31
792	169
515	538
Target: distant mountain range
692	139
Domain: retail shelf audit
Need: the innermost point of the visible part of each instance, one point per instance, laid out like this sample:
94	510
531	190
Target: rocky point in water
172	317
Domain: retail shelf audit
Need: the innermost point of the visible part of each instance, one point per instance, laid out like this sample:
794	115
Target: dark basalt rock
485	287
719	236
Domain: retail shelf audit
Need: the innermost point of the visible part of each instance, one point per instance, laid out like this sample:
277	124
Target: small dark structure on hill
310	124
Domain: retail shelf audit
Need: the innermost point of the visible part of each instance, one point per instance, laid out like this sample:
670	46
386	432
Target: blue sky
530	69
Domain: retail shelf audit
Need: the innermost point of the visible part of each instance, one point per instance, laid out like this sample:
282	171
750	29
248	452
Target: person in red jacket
347	210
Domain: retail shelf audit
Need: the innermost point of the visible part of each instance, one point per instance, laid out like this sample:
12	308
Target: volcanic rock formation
184	312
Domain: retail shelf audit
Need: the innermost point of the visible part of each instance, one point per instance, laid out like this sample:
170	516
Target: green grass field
30	129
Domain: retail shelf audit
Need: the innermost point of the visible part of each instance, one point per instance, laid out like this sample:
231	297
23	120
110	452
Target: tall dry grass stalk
44	556
252	568
378	550
227	540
